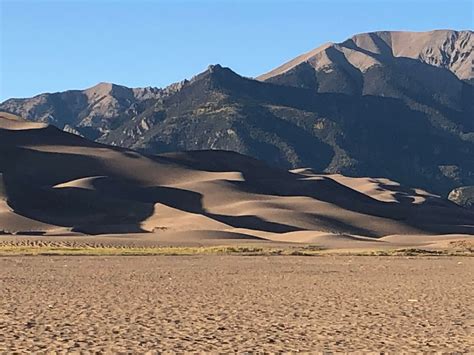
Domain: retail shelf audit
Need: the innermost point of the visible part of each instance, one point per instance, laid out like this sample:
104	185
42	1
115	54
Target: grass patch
309	250
411	252
403	252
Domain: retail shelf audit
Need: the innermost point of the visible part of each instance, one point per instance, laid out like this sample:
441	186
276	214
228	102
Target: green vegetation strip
19	250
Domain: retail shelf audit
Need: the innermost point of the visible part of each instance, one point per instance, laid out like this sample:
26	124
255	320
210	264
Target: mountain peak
448	49
217	69
102	87
214	67
214	72
108	89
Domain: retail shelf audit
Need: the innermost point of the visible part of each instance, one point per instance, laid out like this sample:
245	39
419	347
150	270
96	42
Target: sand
53	182
13	122
220	303
61	192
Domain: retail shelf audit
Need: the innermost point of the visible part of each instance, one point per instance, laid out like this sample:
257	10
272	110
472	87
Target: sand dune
13	222
52	180
381	189
13	122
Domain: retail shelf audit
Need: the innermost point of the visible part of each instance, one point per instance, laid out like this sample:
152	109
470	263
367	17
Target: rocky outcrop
463	196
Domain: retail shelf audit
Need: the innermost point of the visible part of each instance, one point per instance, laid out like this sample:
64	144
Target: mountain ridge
388	43
403	119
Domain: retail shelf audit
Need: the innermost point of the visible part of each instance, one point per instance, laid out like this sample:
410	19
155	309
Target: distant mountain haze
387	104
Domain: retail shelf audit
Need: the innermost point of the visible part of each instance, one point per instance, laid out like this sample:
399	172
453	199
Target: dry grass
111	250
42	248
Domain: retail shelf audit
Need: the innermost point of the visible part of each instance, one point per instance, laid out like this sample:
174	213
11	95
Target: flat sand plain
236	303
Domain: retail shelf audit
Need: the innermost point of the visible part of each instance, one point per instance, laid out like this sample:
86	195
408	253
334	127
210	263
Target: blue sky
48	46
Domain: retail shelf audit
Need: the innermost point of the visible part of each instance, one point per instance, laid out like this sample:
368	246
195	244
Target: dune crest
13	122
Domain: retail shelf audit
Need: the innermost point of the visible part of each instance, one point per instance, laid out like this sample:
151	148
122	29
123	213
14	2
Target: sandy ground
236	303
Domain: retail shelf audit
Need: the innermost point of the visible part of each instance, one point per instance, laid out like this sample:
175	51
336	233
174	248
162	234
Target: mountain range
384	104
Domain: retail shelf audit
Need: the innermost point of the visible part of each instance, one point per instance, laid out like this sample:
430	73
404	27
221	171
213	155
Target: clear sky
48	46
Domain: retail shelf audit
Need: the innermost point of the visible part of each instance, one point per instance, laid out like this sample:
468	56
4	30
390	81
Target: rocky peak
108	89
447	49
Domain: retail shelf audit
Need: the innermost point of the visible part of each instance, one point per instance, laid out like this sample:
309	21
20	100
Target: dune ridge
14	122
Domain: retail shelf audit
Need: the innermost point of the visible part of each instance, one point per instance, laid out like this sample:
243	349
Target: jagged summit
214	67
213	71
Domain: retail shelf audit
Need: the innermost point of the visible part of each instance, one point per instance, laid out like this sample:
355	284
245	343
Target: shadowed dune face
52	180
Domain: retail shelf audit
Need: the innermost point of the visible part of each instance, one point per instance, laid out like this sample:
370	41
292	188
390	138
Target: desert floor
236	303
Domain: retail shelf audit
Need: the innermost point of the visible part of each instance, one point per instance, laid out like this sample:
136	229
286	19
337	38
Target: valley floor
236	303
